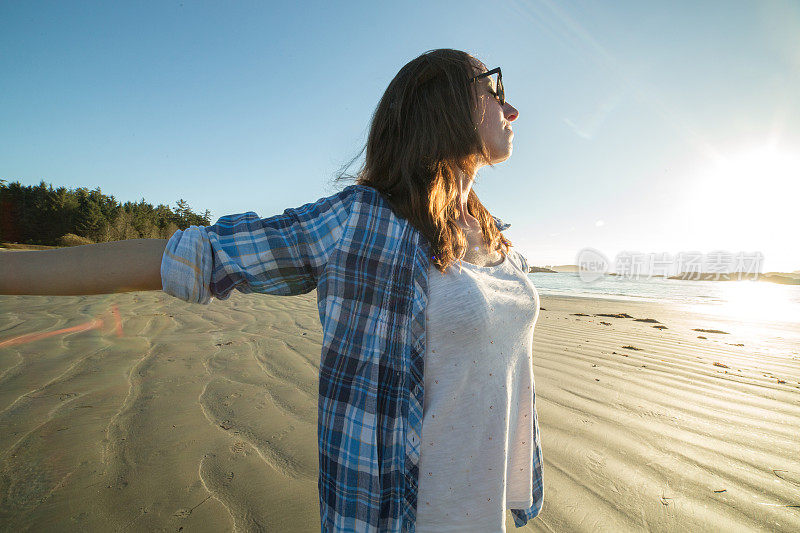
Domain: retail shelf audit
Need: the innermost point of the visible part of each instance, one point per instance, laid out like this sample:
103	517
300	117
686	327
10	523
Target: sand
139	412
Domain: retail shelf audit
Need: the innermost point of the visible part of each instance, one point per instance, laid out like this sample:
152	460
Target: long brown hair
423	132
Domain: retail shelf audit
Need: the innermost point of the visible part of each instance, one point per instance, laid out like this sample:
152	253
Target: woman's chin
500	155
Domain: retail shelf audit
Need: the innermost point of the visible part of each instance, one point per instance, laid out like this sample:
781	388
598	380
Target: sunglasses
501	94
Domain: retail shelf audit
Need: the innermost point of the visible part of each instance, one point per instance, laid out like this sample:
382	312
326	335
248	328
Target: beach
140	412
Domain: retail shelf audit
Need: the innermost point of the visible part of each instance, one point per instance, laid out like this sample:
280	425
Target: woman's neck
465	220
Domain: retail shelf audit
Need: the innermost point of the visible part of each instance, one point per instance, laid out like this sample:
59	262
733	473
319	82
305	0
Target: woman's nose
510	112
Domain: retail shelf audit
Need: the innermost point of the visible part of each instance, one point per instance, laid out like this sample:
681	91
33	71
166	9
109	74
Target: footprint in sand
596	464
238	448
182	513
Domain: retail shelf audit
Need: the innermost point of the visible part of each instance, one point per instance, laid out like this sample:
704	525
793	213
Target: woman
426	414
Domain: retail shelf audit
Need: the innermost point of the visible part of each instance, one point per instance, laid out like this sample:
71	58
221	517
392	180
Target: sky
644	127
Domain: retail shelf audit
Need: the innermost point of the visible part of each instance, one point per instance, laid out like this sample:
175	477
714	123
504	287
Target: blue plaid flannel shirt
370	269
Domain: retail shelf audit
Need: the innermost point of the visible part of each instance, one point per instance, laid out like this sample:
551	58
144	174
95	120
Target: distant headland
783	278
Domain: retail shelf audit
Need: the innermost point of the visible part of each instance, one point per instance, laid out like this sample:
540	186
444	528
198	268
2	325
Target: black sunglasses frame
501	94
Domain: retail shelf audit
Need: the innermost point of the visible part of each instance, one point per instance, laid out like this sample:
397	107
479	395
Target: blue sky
649	127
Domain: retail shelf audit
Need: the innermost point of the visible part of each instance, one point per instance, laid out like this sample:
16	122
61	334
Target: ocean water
757	300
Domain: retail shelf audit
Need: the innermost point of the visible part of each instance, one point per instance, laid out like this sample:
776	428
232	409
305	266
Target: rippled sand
140	412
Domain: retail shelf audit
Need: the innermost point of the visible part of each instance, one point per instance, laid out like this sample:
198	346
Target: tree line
40	214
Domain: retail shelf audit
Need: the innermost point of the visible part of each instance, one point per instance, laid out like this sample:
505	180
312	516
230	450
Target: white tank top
476	452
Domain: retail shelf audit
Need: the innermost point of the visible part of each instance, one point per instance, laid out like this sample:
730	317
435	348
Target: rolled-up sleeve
282	255
187	264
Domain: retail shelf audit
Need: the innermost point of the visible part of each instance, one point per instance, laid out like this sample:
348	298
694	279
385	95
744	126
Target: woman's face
494	126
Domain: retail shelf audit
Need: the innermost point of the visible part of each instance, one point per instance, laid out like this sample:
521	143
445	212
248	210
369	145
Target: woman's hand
119	266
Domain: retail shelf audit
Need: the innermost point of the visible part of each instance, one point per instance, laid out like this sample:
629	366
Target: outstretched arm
120	266
282	255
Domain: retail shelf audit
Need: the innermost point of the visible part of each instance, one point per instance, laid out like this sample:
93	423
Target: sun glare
746	201
747	300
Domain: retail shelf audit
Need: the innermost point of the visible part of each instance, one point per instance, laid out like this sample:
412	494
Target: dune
141	412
